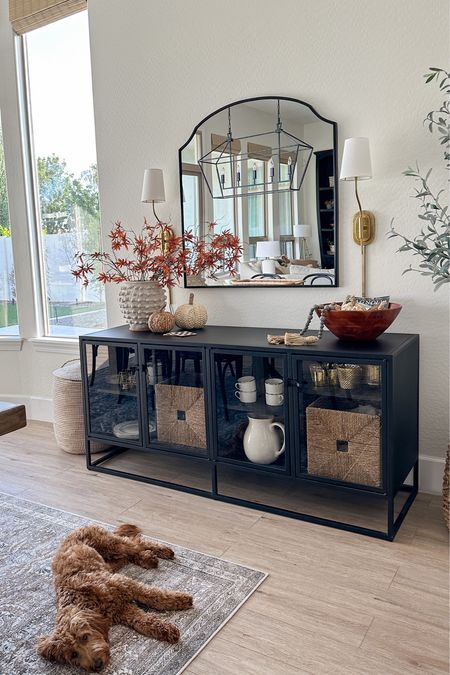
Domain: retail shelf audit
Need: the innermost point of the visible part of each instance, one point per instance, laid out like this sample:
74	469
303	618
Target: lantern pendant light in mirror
272	147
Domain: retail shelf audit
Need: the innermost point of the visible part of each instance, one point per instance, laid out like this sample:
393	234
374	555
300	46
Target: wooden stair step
12	417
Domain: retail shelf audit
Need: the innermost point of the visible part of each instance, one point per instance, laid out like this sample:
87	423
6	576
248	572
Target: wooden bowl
359	325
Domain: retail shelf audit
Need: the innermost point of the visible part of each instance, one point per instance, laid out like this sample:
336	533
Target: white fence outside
6	270
59	251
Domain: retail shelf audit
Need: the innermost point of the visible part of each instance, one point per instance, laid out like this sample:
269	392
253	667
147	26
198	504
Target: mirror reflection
264	169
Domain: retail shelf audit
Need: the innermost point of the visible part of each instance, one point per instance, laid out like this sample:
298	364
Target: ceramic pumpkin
161	322
191	315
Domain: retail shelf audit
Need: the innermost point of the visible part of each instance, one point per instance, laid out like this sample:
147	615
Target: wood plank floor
334	602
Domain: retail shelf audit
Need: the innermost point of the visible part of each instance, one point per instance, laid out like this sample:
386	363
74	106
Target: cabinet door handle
294	383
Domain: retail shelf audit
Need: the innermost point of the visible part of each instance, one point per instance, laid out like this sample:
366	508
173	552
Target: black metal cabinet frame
398	359
213	432
143	392
298	406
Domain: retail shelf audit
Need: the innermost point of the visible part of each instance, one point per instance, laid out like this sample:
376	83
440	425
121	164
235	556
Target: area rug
29	536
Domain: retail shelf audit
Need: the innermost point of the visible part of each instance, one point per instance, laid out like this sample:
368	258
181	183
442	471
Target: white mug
246	396
274	399
246	383
274	386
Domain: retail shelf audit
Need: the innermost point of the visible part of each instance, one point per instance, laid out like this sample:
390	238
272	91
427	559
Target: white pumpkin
191	315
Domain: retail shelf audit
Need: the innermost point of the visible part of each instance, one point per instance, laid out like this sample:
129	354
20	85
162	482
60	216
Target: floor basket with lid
68	420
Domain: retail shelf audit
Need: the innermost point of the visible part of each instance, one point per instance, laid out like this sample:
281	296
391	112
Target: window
286	210
285	201
256	173
192	203
65	172
193	187
224	209
8	307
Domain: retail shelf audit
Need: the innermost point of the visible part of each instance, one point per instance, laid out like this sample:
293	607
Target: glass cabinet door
341	419
175	400
250	409
113	391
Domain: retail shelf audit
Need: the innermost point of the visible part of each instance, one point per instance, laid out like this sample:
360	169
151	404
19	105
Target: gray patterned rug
29	536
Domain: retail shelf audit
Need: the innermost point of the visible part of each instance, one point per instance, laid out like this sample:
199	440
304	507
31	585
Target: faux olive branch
432	245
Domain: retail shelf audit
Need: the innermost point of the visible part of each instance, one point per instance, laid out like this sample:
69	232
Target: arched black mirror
265	170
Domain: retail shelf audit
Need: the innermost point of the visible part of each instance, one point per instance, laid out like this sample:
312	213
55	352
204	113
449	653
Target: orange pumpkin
161	322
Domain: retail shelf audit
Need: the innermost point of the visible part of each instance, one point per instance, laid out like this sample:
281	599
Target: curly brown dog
91	597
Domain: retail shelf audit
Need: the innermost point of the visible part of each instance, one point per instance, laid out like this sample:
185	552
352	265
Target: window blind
26	15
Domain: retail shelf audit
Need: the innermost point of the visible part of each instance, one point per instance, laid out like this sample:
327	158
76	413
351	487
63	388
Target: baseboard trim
431	469
431	472
38	407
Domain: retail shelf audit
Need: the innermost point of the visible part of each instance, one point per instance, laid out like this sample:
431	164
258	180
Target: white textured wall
159	67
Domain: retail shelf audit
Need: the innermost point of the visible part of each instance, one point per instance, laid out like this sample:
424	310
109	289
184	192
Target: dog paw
164	552
159	629
180	601
147	559
169	633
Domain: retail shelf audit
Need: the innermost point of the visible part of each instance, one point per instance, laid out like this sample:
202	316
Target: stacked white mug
274	391
246	389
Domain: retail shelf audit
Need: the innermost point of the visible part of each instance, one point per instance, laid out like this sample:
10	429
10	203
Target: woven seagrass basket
68	418
446	490
342	444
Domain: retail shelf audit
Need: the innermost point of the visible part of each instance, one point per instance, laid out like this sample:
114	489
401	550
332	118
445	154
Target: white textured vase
139	299
261	441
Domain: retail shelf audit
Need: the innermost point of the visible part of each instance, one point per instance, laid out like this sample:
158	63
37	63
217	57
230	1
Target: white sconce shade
268	249
301	231
153	186
356	159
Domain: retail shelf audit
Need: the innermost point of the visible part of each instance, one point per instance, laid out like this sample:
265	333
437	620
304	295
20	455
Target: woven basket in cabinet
180	415
446	490
342	444
68	419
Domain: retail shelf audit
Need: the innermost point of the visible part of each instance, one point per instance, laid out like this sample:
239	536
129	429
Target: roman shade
220	144
257	151
285	154
26	15
265	153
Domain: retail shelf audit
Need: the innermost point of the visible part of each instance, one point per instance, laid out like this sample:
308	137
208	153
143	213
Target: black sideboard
165	411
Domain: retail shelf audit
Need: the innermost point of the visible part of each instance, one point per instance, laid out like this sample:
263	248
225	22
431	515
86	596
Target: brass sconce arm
363	234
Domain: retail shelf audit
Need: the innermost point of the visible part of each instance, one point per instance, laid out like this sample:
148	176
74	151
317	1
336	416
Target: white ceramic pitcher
261	441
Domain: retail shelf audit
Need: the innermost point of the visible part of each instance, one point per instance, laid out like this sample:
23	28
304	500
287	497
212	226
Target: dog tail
128	530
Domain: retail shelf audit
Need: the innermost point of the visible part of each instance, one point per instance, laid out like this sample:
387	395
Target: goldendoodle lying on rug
91	597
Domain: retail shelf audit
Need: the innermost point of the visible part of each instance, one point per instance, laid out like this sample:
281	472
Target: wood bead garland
300	338
191	315
161	322
292	339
